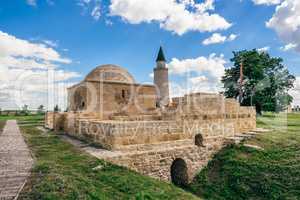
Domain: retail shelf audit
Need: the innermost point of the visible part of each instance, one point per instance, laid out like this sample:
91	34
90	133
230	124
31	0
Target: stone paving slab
15	161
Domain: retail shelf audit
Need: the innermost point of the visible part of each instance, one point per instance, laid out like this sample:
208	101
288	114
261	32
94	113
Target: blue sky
86	33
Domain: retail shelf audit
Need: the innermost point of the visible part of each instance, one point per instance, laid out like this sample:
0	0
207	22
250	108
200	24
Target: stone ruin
142	129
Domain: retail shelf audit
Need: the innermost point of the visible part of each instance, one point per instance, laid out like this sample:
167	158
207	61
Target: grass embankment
239	172
63	172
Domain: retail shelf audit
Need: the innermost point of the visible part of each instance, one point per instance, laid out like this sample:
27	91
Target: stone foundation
184	135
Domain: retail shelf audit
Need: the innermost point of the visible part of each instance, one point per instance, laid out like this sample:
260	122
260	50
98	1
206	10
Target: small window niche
199	140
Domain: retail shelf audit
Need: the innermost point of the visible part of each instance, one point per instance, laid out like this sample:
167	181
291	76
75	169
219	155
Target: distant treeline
20	112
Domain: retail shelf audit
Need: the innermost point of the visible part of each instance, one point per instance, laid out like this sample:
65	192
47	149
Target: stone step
147	147
244	135
261	130
235	140
136	118
253	133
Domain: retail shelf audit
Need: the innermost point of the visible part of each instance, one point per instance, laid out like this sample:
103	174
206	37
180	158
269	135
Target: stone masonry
171	141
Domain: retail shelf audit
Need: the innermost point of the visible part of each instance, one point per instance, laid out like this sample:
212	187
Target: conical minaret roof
161	56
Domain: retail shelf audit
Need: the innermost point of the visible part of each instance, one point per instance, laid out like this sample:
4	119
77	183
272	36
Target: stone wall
189	132
111	98
157	162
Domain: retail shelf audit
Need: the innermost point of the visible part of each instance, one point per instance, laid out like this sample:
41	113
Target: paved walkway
15	161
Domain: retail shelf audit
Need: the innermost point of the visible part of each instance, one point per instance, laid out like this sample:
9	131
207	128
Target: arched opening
123	94
199	140
179	173
82	105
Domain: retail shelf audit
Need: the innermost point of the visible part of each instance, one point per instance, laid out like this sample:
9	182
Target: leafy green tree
41	109
25	110
56	108
266	80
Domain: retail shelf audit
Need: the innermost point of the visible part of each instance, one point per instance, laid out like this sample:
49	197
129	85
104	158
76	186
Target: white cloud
34	2
29	73
96	13
263	49
51	43
151	75
172	15
267	2
218	38
286	22
200	74
232	37
14	47
288	47
108	22
214	39
91	6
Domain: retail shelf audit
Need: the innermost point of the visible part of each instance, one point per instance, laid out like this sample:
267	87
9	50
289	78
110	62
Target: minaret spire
161	56
161	79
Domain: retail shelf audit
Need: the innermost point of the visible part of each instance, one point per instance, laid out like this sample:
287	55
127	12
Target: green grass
32	118
2	124
238	172
63	172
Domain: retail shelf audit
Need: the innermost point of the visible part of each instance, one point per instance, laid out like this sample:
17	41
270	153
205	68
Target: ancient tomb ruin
141	128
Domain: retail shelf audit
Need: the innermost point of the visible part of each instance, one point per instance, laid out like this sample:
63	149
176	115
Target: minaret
161	79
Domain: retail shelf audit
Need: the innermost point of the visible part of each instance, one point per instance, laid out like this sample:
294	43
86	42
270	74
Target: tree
56	108
25	110
40	109
266	83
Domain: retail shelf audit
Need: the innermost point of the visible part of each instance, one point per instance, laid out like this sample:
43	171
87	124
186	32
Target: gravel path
15	161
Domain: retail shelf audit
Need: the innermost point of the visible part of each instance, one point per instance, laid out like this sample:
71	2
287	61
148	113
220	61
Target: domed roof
110	73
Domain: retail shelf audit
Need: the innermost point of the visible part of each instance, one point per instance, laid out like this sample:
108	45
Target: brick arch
179	172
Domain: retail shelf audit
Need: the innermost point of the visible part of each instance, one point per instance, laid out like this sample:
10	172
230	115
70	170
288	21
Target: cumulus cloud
30	74
218	38
267	2
172	15
286	22
202	74
288	47
263	49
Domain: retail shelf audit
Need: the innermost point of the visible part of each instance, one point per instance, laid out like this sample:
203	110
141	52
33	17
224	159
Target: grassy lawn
63	172
239	172
23	119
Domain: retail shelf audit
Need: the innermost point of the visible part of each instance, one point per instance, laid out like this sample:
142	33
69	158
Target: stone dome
110	73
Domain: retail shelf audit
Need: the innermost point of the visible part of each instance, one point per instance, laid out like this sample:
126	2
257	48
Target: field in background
63	172
240	172
25	119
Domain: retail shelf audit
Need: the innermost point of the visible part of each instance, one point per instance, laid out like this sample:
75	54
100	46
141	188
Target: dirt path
15	161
